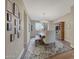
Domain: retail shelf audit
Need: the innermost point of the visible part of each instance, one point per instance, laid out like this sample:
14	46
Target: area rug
43	52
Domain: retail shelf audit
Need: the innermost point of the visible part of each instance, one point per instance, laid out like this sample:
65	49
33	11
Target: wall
14	49
28	29
25	30
50	33
69	26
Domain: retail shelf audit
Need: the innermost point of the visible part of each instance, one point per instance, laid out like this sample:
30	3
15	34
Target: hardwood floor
66	55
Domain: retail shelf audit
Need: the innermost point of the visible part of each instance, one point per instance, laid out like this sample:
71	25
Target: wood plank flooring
66	55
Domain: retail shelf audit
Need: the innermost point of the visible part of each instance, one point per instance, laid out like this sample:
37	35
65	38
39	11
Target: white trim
20	54
72	45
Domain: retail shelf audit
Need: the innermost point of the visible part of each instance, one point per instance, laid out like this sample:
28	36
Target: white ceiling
47	9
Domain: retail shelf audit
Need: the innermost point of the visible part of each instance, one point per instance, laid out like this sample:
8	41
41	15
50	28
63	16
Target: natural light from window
39	26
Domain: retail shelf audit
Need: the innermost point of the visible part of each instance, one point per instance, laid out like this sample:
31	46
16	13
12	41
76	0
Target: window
39	26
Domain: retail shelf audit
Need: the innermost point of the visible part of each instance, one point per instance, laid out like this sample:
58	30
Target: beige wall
69	26
14	49
25	30
28	30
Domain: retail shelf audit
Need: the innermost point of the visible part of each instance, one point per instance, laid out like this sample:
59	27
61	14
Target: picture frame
18	14
9	6
16	10
15	31
11	37
19	24
9	17
14	22
13	8
9	27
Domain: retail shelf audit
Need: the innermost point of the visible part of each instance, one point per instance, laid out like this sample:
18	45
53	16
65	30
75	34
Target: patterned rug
45	51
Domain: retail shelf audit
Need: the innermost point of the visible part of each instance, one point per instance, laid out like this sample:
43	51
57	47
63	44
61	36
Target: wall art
9	17
9	6
13	8
14	30
15	22
11	37
9	27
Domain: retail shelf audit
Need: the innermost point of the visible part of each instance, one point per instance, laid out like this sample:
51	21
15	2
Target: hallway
38	29
45	51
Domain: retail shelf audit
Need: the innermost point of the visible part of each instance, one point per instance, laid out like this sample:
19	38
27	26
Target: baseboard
20	54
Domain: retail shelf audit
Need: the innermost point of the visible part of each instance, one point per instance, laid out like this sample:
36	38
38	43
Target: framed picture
13	8
16	10
9	27
19	24
15	22
14	30
18	14
9	17
11	37
9	6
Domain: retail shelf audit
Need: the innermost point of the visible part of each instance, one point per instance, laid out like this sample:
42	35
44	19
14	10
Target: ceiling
47	9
